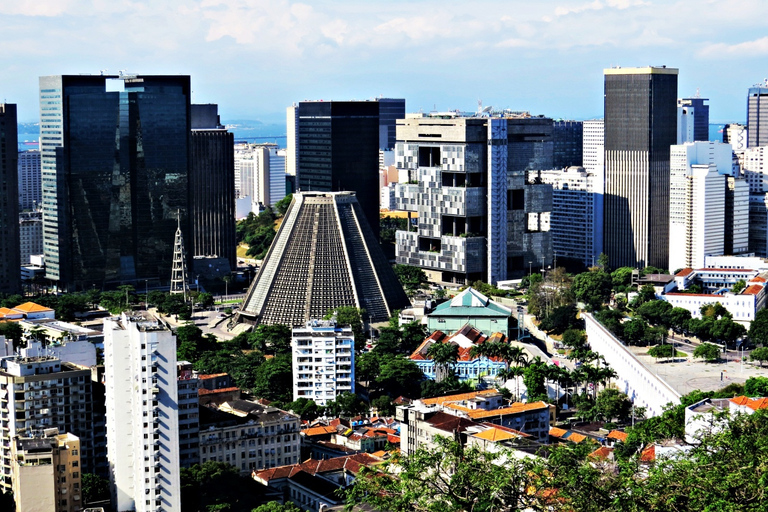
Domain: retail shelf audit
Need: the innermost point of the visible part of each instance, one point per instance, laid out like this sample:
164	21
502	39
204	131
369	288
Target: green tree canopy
756	387
759	354
95	488
664	350
410	277
710	353
655	312
282	205
593	288
758	330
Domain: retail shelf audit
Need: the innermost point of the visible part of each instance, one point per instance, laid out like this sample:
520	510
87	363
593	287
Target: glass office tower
115	176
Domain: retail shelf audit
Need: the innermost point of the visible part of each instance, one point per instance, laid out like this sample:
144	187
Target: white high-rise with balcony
142	413
323	361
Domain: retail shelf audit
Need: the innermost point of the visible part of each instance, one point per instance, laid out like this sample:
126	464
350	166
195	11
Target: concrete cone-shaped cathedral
324	256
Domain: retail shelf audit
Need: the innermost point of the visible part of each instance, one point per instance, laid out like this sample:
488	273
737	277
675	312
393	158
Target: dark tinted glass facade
121	178
390	110
10	259
568	137
338	150
640	126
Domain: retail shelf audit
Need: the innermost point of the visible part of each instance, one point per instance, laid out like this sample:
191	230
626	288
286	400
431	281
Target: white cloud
747	49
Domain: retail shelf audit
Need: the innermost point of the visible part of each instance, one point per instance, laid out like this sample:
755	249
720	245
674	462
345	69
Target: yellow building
46	471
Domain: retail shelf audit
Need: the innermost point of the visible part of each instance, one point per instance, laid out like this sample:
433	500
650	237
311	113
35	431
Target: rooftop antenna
102	71
698	95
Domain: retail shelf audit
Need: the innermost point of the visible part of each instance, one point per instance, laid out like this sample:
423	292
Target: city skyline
256	57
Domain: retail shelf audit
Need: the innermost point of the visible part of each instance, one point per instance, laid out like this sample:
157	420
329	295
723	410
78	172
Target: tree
274	506
384	405
664	350
728	331
715	311
94	488
444	356
353	317
738	286
621	278
593	288
271	339
645	294
12	331
217	484
602	261
612	404
449	478
634	331
282	205
273	379
655	312
533	377
560	319
756	387
707	351
758	330
398	376
759	354
574	338
678	318
305	408
410	277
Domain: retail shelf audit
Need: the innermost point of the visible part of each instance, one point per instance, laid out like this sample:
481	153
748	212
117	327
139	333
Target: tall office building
640	127
594	146
754	163
479	217
292	139
212	186
30	185
10	273
322	378
692	120
699	187
115	168
44	392
189	417
576	221
757	115
30	235
736	239
334	146
142	413
323	257
568	139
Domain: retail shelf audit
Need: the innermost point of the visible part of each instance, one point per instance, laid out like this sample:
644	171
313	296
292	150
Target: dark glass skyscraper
10	260
692	120
640	126
212	185
115	166
568	138
757	115
338	149
390	110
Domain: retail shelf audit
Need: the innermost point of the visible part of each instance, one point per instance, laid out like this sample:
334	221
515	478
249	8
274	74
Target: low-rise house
466	367
473	308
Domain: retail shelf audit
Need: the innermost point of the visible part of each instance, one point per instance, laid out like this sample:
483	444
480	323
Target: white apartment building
260	173
40	393
323	361
189	416
576	221
754	163
736	136
142	413
700	222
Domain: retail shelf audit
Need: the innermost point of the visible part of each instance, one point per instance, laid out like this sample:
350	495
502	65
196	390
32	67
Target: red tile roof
203	391
753	289
211	376
31	307
648	454
685	272
618	435
752	403
458	398
602	453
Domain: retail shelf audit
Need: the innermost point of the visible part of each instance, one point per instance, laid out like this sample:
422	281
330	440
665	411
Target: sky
256	57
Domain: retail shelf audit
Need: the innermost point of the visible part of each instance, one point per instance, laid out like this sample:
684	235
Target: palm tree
444	355
515	372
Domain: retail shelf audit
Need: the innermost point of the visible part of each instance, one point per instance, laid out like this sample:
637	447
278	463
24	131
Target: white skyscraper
142	413
260	173
323	361
754	162
30	185
594	152
698	183
291	126
576	221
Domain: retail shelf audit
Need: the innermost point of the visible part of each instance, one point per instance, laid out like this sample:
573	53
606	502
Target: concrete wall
640	384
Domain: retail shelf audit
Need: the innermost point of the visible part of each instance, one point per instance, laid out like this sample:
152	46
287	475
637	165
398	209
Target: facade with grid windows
142	413
323	361
40	393
324	256
248	435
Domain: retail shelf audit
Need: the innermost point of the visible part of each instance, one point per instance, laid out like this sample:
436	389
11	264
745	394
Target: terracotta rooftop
753	289
319	431
495	435
753	403
602	453
557	432
203	391
618	435
211	376
515	408
648	454
440	400
31	307
685	272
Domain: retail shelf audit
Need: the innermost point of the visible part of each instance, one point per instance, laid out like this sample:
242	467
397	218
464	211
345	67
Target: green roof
469	303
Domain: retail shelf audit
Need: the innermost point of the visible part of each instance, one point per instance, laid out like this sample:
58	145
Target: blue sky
255	57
